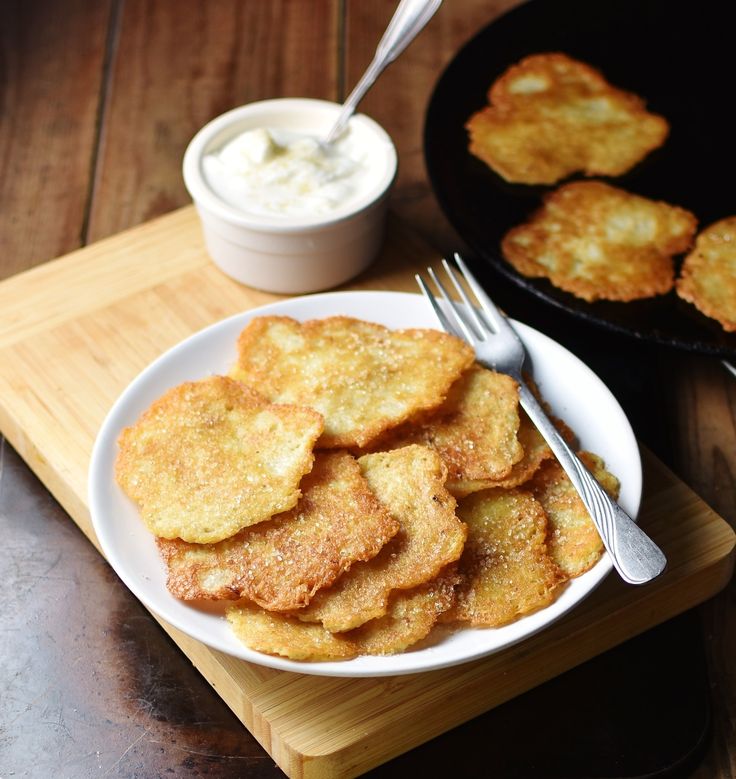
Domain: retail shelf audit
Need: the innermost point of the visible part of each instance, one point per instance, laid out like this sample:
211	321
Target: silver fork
635	556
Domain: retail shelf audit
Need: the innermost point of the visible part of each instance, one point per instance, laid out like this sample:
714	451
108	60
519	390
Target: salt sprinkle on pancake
535	450
572	539
474	431
212	457
410	483
410	616
280	564
362	377
506	569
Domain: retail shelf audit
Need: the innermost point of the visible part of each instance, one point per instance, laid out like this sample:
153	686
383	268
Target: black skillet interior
678	56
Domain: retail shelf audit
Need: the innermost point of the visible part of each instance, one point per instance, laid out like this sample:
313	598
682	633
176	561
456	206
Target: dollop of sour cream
287	173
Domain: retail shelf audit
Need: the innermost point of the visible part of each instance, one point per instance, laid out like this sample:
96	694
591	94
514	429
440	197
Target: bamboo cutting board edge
60	297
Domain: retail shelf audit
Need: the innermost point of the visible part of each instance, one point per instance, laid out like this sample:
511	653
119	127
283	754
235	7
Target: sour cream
280	212
287	173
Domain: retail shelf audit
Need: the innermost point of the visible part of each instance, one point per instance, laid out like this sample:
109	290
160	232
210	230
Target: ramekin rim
204	197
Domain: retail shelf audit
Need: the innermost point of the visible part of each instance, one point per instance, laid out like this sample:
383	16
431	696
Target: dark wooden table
99	99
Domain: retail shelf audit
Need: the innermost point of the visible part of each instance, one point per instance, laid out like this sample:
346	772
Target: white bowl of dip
282	212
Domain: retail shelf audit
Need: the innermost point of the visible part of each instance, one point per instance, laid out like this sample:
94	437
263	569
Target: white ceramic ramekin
290	255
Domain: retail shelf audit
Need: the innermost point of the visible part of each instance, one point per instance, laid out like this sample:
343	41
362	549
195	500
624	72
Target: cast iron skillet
680	57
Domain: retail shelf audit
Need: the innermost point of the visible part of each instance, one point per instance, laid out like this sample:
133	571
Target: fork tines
467	321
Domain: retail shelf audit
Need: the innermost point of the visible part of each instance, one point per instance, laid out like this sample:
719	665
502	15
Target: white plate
574	392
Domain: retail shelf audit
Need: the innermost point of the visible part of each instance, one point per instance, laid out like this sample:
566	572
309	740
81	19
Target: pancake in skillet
601	243
708	274
550	116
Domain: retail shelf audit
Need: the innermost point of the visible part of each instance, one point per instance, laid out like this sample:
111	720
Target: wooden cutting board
75	331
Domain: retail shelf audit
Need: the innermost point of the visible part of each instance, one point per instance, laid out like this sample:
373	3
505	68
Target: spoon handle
408	20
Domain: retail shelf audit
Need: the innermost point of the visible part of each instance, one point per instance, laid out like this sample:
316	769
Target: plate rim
105	444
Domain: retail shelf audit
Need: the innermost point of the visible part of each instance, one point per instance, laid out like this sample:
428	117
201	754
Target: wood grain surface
53	59
99	98
173	68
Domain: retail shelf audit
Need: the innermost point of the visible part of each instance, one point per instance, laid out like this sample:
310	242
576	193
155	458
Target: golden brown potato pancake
600	242
362	377
550	116
211	457
572	540
535	450
410	617
473	431
281	563
410	483
708	274
506	570
278	634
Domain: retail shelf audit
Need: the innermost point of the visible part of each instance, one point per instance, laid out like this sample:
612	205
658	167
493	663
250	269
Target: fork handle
635	556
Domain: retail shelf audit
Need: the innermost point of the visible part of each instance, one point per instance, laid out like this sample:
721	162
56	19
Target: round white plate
573	391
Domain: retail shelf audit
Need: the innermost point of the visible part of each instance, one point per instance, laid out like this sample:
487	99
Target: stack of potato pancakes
347	487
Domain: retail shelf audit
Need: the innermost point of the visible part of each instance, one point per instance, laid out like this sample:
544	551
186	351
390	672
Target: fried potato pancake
599	242
473	431
572	540
212	457
708	274
550	116
362	377
535	450
410	482
281	563
506	569
278	634
410	617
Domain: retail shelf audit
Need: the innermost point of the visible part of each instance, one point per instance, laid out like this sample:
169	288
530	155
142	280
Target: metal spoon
408	20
